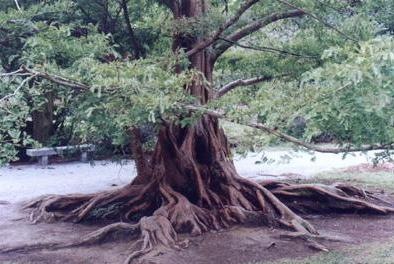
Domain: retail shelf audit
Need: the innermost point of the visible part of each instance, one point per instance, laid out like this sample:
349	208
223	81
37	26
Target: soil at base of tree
238	245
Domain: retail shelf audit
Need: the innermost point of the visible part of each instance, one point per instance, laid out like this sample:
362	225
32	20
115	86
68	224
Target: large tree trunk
202	61
42	120
190	183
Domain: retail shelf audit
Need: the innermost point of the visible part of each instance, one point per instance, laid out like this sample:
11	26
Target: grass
381	252
370	253
383	180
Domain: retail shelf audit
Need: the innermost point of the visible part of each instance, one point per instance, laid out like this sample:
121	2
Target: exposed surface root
156	232
116	229
192	187
98	236
49	208
31	247
77	208
313	241
242	201
319	198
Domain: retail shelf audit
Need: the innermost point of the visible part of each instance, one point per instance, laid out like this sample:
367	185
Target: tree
189	183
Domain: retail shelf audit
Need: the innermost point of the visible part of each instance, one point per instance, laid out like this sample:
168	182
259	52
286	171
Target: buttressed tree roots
190	185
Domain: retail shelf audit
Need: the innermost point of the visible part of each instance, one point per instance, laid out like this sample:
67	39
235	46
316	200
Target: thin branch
317	148
244	82
211	39
17	5
11	73
253	27
269	49
319	20
291	139
56	79
8	96
138	49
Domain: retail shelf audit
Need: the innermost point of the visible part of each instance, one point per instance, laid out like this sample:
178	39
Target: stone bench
44	153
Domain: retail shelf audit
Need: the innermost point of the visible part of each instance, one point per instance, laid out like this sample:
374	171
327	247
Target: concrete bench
44	153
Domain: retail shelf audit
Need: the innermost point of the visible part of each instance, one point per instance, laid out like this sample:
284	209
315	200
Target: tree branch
17	5
269	49
288	138
55	78
244	82
30	74
11	73
318	19
17	89
138	49
211	39
253	27
317	148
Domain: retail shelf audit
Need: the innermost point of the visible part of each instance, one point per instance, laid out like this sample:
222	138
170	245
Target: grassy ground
383	180
371	253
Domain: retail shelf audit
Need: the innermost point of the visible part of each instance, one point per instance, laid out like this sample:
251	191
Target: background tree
319	59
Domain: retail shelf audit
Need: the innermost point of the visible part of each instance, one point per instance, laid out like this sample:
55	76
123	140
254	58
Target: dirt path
238	245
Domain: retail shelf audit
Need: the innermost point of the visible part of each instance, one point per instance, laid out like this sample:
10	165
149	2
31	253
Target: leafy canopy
333	67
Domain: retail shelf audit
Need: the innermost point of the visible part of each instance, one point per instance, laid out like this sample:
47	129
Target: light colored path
19	183
300	163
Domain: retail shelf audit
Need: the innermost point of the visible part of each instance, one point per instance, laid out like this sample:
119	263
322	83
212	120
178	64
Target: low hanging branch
273	131
53	78
276	132
241	82
17	5
334	150
30	74
245	82
269	49
14	73
8	96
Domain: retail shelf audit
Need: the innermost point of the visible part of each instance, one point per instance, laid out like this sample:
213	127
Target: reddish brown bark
42	120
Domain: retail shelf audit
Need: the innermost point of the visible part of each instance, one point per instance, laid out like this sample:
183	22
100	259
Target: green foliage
382	12
368	180
351	98
354	99
56	45
124	94
13	115
337	85
372	253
